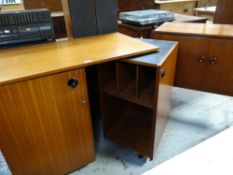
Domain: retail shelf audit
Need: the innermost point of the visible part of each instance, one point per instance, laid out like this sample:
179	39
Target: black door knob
163	72
72	83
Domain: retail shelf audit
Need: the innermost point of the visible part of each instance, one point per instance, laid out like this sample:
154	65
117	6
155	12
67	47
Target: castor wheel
144	158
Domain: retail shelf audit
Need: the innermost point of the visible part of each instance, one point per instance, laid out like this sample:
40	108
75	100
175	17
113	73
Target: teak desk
45	123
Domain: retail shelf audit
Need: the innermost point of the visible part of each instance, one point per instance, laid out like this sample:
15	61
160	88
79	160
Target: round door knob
72	83
163	72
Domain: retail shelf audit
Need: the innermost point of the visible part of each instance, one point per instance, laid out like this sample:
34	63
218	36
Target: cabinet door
219	73
45	125
191	61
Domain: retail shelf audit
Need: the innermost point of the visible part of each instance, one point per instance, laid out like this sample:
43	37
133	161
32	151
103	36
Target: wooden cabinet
204	62
59	25
177	6
135	31
203	3
135	98
147	31
224	12
46	125
218	76
55	6
131	5
190	68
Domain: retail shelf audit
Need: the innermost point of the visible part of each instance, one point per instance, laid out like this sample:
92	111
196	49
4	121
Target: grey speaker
106	15
83	17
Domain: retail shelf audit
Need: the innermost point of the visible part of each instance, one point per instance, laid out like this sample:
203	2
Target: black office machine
146	17
26	26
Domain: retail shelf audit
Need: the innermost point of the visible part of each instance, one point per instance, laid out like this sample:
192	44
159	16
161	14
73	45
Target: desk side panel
165	81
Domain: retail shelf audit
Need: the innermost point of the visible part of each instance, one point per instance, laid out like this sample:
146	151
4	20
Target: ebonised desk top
154	59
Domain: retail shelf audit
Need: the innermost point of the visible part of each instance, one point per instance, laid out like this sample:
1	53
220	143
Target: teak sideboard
45	122
204	57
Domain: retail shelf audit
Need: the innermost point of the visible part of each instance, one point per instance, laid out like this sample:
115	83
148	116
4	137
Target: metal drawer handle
72	83
213	60
201	59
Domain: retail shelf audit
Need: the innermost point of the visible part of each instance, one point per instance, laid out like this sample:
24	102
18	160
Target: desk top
214	30
213	156
43	59
154	59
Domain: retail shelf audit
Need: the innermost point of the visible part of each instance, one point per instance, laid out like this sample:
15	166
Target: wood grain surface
215	30
204	63
173	1
131	5
165	76
178	6
45	127
53	5
44	59
189	72
132	89
224	12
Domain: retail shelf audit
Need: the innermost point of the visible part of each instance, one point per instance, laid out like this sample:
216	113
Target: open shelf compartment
128	124
146	86
126	81
107	78
131	82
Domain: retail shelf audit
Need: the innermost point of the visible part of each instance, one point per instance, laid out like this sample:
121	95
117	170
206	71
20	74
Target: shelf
129	92
147	96
111	89
132	83
133	128
146	99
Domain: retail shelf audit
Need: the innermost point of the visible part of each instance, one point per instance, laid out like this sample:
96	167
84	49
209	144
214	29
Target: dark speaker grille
83	17
106	14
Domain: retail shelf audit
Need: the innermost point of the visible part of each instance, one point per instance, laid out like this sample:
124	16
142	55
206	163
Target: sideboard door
45	124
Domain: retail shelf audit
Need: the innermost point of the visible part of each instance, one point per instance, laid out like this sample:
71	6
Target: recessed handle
201	59
163	72
72	83
213	60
